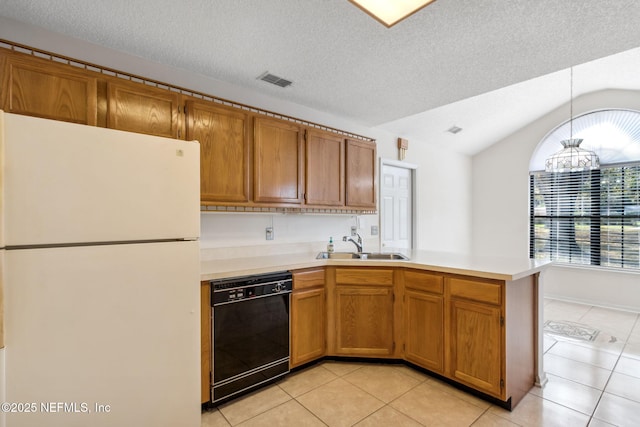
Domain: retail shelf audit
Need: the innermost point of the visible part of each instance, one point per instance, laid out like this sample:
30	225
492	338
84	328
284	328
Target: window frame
591	234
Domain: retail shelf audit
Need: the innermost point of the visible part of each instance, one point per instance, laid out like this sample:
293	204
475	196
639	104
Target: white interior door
396	207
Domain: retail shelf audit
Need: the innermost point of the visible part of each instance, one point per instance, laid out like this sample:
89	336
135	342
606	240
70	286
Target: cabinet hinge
501	321
184	109
501	383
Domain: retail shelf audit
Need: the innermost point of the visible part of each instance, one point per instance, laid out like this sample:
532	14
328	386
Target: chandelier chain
571	104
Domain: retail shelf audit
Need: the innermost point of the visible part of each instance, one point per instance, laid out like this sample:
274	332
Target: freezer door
67	183
113	330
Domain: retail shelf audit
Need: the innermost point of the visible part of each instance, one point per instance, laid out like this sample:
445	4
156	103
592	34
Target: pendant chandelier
572	158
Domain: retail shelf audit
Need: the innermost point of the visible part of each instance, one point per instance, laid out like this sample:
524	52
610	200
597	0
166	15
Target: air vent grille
275	80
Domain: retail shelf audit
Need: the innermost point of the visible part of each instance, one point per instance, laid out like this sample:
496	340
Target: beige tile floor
591	383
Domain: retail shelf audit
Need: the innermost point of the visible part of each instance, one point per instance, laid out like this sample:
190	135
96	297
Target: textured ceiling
344	62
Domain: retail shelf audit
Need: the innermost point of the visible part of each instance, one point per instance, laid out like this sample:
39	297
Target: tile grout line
591	417
618	357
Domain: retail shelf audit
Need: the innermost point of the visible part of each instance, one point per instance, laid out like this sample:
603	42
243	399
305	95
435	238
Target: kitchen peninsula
472	320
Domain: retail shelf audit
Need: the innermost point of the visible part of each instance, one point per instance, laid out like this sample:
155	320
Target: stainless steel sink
363	256
384	256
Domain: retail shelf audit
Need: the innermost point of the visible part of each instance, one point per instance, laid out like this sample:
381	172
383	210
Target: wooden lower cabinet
476	345
308	317
424	320
362	312
364	320
205	341
491	335
476	341
424	332
480	333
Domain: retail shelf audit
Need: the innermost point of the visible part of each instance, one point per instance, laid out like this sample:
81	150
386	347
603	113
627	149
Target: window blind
589	217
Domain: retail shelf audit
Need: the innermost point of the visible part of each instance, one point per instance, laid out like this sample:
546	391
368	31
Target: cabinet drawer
364	276
475	290
424	281
308	278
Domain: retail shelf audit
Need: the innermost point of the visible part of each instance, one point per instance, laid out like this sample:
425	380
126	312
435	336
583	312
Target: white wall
500	205
443	211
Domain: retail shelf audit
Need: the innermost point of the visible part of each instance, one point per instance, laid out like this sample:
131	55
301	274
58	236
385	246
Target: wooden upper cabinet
278	162
41	88
136	107
324	169
223	134
360	174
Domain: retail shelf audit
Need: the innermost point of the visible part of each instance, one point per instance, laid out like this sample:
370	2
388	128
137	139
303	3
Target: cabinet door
364	320
360	174
308	332
224	151
324	169
205	342
41	88
476	345
136	107
424	329
278	162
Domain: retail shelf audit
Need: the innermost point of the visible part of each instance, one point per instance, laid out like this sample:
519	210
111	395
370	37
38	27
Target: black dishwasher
250	332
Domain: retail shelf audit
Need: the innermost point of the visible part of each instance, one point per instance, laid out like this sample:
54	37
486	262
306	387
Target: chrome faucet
357	243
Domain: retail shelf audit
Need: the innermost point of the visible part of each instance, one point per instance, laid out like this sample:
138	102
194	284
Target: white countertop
471	265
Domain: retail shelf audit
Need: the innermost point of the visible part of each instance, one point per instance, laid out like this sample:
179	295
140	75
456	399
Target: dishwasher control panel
235	289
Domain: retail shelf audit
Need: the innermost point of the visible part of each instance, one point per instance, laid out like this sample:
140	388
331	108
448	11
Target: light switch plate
354	230
269	233
374	230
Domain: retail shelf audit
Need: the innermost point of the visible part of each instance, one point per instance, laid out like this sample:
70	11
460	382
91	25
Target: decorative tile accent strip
283	210
571	330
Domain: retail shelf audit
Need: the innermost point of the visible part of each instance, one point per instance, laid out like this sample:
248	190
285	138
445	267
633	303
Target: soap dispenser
330	245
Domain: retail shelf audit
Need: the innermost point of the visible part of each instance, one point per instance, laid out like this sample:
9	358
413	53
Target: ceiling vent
454	129
274	80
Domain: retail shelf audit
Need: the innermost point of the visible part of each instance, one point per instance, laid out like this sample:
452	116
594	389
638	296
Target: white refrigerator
99	259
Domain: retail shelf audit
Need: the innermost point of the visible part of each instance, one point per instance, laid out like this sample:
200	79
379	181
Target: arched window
589	217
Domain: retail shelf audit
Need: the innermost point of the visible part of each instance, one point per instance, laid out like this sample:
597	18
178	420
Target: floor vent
275	80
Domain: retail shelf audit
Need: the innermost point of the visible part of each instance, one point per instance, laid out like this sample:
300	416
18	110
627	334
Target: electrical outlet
354	230
374	230
269	233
